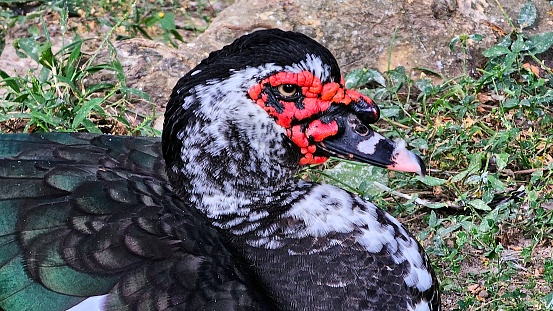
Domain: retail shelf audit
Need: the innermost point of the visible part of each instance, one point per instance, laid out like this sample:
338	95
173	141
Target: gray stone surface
359	33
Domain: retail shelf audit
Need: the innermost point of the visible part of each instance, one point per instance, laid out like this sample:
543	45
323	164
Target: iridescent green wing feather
86	215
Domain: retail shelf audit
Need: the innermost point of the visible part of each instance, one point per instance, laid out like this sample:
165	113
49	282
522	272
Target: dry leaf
535	70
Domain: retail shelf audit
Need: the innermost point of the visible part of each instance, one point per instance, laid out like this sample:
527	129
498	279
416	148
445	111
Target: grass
484	137
56	94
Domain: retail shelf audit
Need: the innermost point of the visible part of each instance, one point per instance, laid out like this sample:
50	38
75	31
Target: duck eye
287	90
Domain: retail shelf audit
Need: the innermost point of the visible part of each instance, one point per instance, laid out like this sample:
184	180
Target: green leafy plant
54	96
488	140
140	24
463	40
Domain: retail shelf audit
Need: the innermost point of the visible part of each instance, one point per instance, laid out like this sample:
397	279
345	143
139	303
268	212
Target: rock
359	33
152	67
483	294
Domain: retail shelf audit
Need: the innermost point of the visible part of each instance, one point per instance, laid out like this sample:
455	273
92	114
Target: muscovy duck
212	217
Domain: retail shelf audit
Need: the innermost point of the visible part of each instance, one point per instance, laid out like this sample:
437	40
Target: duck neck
230	190
234	184
230	163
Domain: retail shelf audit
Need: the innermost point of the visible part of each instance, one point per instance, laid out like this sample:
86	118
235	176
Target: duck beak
357	141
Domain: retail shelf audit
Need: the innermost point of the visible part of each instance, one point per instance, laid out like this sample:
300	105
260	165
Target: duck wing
85	215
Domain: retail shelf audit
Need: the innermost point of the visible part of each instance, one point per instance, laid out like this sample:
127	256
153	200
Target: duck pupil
288	89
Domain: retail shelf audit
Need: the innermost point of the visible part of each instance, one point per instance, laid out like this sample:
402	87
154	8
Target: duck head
260	108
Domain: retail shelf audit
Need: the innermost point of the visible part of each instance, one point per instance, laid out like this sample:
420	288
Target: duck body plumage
211	217
85	214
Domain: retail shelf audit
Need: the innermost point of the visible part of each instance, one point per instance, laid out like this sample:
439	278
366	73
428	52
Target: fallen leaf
484	98
535	70
474	288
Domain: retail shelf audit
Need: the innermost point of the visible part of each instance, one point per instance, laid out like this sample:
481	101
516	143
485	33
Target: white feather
95	303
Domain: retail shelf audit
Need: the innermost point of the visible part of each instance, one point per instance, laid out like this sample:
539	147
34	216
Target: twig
530	171
418	216
397	123
402	195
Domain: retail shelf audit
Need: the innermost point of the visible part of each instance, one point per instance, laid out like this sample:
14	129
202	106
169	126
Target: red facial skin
317	97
